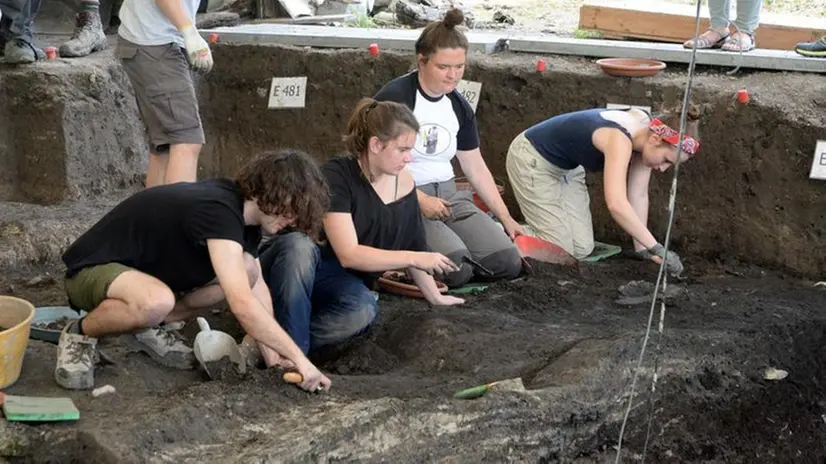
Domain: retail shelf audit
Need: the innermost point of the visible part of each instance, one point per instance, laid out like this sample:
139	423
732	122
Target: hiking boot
76	358
88	36
163	344
19	51
815	49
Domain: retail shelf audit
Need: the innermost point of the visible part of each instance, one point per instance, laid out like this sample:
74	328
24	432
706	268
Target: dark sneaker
815	49
163	344
88	36
18	51
76	358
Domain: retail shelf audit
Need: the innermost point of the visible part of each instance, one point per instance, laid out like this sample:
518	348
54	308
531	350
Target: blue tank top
565	140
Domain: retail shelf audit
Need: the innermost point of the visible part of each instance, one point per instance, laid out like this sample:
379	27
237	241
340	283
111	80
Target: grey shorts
163	86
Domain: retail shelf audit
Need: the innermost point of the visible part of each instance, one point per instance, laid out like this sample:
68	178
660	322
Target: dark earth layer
559	330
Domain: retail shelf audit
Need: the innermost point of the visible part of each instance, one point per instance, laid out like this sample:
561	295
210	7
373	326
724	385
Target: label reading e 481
471	91
819	161
288	92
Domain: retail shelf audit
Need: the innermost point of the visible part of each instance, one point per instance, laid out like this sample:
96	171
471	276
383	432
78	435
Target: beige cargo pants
554	201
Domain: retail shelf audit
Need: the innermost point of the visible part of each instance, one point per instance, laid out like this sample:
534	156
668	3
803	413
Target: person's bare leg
195	303
135	301
183	163
156	171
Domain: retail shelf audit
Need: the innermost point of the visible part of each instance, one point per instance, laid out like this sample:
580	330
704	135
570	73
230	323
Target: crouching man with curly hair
166	253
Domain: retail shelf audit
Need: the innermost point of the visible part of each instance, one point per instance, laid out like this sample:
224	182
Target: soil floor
560	330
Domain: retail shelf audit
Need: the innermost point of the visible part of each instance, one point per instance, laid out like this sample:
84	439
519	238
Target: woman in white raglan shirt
455	227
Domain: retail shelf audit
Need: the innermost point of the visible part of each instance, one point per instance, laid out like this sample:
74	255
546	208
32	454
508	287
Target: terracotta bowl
630	67
388	283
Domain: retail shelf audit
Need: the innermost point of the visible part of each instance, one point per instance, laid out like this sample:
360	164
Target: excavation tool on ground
543	250
295	378
482	390
476	264
213	345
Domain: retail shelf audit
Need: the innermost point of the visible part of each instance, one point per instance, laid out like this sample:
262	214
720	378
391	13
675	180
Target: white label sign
619	106
288	92
470	90
819	162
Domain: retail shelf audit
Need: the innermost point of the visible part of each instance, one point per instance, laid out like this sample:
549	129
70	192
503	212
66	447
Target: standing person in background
158	43
816	49
720	36
17	31
454	226
17	26
88	36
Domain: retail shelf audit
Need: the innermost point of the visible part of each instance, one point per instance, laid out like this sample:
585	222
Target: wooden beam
666	22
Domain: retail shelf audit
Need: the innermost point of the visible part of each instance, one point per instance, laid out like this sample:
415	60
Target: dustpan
543	250
212	345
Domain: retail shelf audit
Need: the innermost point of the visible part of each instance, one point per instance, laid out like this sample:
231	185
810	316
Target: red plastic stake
541	65
213	38
743	96
51	52
374	49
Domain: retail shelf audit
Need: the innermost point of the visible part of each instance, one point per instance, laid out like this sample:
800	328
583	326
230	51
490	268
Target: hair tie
372	105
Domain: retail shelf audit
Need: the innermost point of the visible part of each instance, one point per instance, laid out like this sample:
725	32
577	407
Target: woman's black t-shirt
394	226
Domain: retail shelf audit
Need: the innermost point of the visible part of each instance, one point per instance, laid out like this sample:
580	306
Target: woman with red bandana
547	164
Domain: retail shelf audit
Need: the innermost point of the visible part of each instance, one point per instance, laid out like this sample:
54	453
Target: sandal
706	40
739	42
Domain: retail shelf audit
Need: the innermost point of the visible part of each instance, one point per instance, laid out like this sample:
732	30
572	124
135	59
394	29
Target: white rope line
661	276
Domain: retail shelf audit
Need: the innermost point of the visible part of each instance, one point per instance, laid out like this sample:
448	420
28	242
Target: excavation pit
747	224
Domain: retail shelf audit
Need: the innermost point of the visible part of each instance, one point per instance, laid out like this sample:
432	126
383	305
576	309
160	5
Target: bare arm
477	172
426	284
617	149
174	11
638	177
245	303
341	233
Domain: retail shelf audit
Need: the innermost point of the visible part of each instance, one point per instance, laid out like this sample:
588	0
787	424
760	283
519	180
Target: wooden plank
778	60
668	22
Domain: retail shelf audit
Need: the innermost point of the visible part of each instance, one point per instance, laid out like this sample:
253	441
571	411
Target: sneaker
250	352
815	49
163	344
76	357
88	36
19	51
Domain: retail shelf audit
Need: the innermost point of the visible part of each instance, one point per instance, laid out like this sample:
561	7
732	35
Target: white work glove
200	57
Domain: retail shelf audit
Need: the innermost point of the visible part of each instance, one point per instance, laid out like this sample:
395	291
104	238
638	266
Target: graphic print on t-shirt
433	139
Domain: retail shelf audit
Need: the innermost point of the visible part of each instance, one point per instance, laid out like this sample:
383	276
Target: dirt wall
68	130
746	197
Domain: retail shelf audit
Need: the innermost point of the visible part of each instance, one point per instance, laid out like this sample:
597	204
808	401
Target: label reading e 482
471	91
288	92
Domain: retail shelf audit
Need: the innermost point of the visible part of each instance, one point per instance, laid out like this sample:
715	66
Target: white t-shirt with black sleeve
395	226
448	124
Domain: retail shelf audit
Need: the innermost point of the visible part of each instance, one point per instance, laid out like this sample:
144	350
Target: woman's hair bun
453	18
693	113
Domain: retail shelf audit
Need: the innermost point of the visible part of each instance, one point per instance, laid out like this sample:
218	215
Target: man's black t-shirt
162	231
394	226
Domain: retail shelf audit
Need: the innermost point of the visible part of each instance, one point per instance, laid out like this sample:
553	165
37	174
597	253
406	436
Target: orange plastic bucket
15	323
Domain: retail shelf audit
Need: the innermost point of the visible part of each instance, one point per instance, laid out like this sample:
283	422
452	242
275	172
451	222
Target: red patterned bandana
690	145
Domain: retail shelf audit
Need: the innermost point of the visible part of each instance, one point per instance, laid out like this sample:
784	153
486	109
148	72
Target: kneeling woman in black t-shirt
322	295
